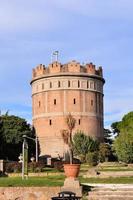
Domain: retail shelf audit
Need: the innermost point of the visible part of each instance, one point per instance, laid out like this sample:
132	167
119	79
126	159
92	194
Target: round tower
60	89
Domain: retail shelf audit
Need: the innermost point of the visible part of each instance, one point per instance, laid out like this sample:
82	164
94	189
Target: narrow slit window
68	83
54	101
79	121
58	83
87	84
50	122
74	101
91	102
39	104
78	84
50	84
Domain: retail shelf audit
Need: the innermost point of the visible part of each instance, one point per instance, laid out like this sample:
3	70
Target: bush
13	167
58	165
92	158
36	166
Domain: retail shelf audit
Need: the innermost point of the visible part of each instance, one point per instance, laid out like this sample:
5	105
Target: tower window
87	84
68	83
78	84
54	101
74	101
50	84
50	122
79	121
58	83
39	104
91	102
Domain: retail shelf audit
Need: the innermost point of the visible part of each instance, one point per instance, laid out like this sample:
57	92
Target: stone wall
28	193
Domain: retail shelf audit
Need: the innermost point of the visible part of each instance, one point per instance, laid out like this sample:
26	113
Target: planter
71	170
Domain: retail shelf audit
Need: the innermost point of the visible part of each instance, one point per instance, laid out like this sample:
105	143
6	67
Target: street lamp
36	141
25	158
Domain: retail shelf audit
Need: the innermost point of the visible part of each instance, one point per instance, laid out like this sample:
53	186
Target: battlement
72	67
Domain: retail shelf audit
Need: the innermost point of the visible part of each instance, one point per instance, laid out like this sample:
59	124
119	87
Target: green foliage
123	144
104	152
82	144
92	158
12	128
107	136
115	128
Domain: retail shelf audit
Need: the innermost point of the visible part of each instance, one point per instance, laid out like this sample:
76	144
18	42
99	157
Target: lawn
57	181
111	180
32	181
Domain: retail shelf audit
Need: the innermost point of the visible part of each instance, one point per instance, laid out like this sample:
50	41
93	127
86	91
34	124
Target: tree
123	144
67	134
82	144
108	136
104	152
12	129
115	128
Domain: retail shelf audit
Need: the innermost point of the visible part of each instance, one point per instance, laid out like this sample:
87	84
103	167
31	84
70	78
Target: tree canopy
12	129
123	143
82	144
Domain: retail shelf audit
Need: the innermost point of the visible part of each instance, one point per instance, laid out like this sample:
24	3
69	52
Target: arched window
74	101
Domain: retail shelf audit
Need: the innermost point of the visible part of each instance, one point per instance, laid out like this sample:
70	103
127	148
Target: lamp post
25	158
36	141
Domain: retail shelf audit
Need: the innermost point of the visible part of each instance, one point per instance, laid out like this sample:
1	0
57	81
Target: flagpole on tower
55	56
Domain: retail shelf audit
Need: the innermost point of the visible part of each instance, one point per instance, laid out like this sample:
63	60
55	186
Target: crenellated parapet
71	67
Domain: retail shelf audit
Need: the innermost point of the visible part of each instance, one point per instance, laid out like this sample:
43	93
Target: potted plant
70	169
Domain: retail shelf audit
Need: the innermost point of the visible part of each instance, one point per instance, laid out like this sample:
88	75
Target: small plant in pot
71	169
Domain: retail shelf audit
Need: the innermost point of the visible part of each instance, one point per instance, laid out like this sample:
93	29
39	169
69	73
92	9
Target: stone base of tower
73	185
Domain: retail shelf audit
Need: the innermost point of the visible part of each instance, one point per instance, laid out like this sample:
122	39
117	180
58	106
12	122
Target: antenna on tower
55	56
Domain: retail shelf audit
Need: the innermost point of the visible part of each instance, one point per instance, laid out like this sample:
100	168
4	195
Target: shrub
92	158
13	167
36	166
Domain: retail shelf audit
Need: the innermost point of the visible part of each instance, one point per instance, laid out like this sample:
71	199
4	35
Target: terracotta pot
71	170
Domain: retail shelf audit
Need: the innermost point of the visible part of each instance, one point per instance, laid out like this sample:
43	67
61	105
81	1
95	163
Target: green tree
115	128
123	144
108	136
12	129
104	152
82	144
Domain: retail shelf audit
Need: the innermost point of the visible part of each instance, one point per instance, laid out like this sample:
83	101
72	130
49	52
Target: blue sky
97	31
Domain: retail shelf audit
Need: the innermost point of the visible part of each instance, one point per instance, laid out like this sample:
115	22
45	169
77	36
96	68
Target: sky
97	31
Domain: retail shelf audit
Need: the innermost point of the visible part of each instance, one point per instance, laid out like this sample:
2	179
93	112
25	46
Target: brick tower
62	88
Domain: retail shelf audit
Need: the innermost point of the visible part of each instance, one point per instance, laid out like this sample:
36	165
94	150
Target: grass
32	181
116	169
52	181
118	180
